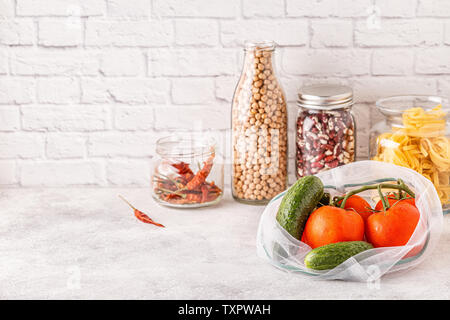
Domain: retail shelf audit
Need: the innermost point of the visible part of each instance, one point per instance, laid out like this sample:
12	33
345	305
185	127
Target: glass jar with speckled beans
326	133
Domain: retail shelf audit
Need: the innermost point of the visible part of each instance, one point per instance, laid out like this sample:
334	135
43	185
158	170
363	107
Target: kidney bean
326	142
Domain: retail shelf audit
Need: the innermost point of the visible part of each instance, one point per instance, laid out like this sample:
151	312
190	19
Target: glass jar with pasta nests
415	133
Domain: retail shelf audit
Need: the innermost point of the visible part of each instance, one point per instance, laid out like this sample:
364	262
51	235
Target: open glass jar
326	133
415	133
187	172
259	128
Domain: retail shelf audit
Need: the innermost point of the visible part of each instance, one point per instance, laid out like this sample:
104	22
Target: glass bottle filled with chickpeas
259	128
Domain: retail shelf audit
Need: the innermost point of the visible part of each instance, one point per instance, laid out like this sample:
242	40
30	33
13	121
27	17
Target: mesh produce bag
285	252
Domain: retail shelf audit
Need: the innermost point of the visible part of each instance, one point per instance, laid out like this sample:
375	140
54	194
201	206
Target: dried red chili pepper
183	170
201	175
205	191
140	215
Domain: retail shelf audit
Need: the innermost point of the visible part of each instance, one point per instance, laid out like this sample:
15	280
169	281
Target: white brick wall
59	33
88	86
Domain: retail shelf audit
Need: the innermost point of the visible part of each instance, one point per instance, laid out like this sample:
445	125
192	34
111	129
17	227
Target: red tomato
393	227
329	224
360	205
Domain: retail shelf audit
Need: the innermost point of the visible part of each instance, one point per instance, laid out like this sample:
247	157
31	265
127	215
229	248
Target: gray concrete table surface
85	243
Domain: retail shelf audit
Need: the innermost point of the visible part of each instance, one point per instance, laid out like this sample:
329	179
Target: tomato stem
400	193
383	199
351	193
400	186
406	188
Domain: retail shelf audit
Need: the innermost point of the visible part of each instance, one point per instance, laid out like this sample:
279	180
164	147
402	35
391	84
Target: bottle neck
259	66
260	57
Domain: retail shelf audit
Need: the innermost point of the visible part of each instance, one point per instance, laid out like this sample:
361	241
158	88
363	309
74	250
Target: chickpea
260	102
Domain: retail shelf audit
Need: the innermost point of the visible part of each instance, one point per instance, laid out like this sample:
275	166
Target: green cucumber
333	254
298	203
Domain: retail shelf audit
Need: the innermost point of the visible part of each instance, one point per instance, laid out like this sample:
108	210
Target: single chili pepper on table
140	215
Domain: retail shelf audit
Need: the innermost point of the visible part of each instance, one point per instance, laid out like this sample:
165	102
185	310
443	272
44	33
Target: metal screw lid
325	97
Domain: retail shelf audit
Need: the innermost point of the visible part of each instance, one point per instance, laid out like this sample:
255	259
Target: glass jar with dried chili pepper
187	172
